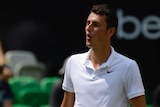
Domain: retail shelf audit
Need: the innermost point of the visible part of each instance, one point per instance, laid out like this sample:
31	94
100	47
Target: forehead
96	18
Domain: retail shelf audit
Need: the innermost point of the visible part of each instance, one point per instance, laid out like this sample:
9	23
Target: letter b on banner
150	27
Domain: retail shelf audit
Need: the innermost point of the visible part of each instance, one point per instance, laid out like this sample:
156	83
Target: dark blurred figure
6	73
57	92
156	97
56	95
6	96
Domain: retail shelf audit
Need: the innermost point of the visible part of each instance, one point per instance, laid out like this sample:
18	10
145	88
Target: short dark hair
105	9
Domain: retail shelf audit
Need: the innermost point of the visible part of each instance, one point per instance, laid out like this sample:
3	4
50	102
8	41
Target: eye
95	24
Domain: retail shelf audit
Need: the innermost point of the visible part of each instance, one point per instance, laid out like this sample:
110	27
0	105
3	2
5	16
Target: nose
89	27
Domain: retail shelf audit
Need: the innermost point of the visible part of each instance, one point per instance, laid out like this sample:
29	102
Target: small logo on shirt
109	71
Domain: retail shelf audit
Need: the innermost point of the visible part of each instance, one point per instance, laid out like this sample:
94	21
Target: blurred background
54	29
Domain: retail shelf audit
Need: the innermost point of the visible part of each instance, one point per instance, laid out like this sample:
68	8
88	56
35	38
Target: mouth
88	36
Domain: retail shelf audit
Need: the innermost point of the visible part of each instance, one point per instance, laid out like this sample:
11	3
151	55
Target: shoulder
124	62
78	56
121	57
77	59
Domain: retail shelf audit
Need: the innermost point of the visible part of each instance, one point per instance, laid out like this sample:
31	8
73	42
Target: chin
88	45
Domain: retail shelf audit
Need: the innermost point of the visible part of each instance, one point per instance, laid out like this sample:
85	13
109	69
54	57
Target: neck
99	56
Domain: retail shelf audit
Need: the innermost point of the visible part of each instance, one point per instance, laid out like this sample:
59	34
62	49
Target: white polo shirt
111	85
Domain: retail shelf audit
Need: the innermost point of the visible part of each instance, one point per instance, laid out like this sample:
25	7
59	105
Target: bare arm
138	101
68	99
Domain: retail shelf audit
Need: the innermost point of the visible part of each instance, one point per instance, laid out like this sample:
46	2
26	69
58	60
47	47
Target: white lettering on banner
150	26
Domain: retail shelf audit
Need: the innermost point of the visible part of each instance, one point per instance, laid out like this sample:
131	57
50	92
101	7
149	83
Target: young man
102	77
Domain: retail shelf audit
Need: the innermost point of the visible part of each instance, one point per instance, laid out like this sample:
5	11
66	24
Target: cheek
101	36
100	32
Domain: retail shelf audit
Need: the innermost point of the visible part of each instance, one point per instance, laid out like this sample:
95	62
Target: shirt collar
105	64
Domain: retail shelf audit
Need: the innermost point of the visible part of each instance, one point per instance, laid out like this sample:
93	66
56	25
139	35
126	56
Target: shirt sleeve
133	81
67	82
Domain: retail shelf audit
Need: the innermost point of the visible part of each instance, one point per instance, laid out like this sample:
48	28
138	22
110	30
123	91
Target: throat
97	62
98	59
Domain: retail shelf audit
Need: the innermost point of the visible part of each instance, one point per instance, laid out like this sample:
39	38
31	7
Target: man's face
96	31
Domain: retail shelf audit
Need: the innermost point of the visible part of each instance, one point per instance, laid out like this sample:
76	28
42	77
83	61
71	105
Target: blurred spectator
6	71
57	92
56	95
156	97
6	98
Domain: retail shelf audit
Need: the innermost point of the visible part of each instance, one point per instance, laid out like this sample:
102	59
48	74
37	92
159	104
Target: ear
112	31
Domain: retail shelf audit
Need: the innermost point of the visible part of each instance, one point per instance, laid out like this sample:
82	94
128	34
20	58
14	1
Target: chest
104	81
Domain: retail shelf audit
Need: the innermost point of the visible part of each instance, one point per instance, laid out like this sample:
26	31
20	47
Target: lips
88	36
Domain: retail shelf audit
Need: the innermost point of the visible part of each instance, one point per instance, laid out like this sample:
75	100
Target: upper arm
138	101
68	99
